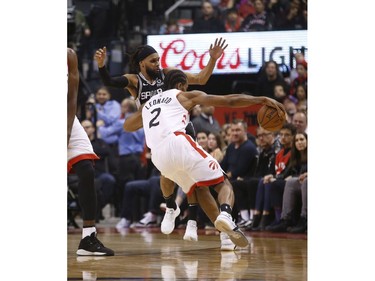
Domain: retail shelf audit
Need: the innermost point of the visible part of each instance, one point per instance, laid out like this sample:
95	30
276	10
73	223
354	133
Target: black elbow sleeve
118	82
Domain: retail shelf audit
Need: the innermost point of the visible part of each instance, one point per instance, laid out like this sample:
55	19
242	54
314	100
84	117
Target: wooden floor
147	254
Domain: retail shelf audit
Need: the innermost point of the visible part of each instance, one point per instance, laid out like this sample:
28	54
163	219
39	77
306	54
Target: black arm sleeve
118	82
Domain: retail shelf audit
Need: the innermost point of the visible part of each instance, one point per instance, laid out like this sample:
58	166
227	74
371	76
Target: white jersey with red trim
162	115
79	147
174	153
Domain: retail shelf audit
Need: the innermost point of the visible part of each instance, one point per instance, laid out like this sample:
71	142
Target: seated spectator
302	106
232	21
225	5
290	107
293	72
149	189
262	216
261	20
301	92
240	153
295	189
292	18
269	76
209	21
225	133
279	92
206	122
245	188
301	78
299	120
171	27
130	148
103	113
215	146
245	8
276	6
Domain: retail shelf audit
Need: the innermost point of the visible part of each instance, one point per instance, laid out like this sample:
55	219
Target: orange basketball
269	119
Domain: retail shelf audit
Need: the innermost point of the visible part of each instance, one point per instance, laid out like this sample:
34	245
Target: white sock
251	214
245	215
86	231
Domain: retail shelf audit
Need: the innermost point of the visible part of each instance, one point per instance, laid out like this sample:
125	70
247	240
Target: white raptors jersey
162	115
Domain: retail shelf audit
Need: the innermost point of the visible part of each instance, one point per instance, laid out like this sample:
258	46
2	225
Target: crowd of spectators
248	160
243	16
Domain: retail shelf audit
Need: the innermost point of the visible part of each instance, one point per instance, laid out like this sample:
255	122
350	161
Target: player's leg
80	147
224	221
168	189
206	201
89	244
172	210
210	206
191	231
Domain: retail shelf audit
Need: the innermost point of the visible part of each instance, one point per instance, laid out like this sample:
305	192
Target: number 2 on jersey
152	122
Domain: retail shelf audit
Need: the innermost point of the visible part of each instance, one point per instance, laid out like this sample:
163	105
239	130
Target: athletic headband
145	52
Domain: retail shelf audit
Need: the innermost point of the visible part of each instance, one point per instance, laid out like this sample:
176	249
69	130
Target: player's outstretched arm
117	82
233	100
216	50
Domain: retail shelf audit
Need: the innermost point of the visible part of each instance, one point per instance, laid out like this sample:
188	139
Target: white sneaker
191	231
226	243
168	223
225	223
123	223
148	219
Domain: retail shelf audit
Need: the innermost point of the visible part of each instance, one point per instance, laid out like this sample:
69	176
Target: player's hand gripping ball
269	119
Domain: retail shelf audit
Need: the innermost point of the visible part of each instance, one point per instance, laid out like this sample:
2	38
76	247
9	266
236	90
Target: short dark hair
290	127
240	121
173	77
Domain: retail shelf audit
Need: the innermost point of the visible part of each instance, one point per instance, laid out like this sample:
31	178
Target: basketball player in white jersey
148	80
177	156
80	161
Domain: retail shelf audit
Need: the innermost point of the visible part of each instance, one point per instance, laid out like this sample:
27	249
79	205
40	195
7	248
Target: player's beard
152	73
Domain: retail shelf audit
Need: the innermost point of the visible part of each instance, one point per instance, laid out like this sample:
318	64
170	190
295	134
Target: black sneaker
254	224
91	246
301	227
279	227
264	222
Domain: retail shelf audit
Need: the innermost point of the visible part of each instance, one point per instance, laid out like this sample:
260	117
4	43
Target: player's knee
85	169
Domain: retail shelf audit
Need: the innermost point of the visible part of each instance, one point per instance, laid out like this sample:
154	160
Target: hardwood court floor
147	254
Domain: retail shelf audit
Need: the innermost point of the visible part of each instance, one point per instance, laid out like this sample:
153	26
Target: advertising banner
246	51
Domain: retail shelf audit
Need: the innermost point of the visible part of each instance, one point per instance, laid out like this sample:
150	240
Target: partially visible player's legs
207	202
89	244
224	221
211	209
168	189
172	210
191	230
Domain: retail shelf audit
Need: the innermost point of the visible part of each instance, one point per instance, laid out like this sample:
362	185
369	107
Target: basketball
269	119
